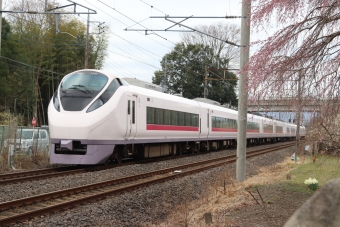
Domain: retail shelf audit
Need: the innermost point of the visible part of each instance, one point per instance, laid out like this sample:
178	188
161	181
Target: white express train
95	117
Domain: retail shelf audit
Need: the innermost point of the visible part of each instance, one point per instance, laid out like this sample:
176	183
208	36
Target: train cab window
107	94
56	101
128	110
78	89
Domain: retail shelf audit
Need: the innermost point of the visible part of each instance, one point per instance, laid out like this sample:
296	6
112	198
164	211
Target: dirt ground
269	205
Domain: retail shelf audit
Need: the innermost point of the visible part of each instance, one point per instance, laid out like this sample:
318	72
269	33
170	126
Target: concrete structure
320	210
286	105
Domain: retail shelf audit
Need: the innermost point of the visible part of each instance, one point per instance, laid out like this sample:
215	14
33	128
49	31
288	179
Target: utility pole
298	118
205	82
0	24
243	96
163	83
87	43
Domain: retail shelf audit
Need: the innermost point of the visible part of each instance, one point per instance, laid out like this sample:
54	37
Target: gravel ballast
141	207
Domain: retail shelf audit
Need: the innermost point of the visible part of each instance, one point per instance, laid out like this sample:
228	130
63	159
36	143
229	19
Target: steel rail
33	172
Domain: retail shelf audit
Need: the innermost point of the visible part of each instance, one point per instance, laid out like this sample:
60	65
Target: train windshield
80	88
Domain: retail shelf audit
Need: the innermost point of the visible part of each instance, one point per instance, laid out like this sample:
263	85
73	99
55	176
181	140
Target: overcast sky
134	54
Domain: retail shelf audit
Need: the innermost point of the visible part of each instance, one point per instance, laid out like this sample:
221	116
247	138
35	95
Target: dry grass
23	161
227	195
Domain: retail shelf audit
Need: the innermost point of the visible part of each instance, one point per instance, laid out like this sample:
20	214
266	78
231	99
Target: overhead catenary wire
127	26
134	59
132	19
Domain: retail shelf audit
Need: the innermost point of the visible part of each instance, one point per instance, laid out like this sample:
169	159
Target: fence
24	139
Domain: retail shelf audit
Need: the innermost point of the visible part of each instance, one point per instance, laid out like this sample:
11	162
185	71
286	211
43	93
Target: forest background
34	58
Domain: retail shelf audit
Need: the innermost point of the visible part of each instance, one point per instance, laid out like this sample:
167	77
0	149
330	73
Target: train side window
219	122
187	119
194	120
181	119
224	123
128	107
159	116
150	115
167	117
174	118
214	122
133	112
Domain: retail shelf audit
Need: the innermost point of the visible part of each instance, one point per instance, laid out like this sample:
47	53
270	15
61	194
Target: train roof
143	84
157	91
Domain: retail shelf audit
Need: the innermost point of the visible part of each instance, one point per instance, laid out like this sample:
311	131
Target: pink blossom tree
300	62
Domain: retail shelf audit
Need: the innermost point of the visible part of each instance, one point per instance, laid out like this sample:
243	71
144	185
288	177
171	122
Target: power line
31	65
127	25
131	19
130	74
153	7
21	68
141	48
134	59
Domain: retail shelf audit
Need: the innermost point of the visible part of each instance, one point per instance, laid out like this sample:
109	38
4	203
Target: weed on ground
266	199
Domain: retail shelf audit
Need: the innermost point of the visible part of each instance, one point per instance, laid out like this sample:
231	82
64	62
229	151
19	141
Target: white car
31	139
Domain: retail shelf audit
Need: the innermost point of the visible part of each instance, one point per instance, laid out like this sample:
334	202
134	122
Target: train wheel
203	147
118	154
119	159
198	147
139	151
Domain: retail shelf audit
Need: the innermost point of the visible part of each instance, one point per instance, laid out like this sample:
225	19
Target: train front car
77	114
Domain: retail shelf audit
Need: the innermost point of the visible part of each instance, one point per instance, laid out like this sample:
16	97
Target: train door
131	120
203	121
209	126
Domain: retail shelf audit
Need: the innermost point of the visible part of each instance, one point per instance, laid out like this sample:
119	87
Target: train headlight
56	101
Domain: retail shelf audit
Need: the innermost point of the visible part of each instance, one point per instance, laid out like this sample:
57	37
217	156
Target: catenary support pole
243	96
87	43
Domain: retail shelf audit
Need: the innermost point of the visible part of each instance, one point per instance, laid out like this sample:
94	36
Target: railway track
20	177
47	173
27	208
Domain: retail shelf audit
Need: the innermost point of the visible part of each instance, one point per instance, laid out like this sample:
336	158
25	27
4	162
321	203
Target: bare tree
300	62
224	31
